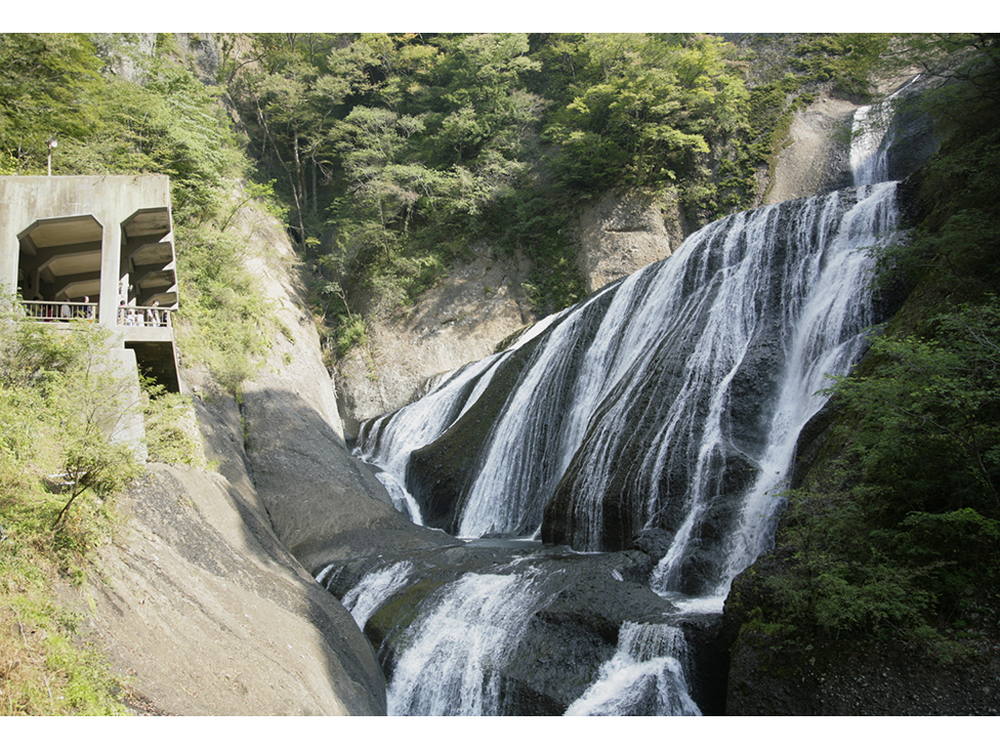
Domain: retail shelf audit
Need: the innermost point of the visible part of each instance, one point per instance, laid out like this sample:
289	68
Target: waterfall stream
646	676
670	401
374	589
451	665
869	130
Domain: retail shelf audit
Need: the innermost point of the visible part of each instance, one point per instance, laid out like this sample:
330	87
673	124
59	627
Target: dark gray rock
322	502
571	633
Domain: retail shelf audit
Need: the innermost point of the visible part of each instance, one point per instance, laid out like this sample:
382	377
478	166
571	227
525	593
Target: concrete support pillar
111	245
9	251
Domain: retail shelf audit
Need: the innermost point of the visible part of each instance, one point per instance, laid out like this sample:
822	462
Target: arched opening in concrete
147	272
59	267
147	276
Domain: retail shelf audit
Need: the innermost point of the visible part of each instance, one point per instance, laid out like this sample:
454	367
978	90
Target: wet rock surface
573	629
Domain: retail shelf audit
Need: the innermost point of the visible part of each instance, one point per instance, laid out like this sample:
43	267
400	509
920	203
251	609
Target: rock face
815	158
571	621
201	600
622	232
204	610
319	499
460	320
911	134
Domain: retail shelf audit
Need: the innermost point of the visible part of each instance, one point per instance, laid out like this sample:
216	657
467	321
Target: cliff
199	599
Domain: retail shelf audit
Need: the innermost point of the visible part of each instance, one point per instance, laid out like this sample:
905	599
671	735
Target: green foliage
895	532
351	332
171	427
49	86
929	416
647	109
404	152
44	669
167	122
225	321
62	410
846	60
59	472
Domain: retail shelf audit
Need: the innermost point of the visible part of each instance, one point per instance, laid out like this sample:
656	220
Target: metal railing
150	317
51	312
64	312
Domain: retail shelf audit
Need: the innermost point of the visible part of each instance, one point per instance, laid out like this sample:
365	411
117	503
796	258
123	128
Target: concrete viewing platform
95	247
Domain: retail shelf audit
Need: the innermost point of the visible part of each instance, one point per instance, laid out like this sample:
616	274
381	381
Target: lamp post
52	144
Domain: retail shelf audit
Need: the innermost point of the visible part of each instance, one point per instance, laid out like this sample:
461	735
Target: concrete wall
110	199
131	428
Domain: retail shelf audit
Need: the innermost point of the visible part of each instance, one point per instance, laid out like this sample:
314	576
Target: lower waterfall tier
498	627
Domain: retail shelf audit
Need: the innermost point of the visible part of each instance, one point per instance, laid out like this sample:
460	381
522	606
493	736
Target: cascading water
374	589
666	414
645	676
388	441
826	310
670	401
457	647
869	151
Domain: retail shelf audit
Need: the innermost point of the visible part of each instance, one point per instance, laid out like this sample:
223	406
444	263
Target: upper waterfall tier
872	137
668	401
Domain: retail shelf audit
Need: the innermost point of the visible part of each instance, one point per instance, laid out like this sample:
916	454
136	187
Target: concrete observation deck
97	247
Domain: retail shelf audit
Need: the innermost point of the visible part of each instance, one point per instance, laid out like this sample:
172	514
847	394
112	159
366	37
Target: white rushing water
645	677
648	371
670	401
455	649
374	589
824	335
507	466
388	441
869	149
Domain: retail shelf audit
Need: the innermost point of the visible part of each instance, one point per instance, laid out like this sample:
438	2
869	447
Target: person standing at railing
85	311
154	314
65	313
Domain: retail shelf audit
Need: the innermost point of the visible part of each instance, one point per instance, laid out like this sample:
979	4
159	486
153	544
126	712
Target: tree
69	409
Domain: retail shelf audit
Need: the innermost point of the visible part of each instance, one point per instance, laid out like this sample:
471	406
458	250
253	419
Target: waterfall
669	401
656	402
389	440
673	401
827	312
455	649
527	427
829	339
401	498
372	591
869	156
645	677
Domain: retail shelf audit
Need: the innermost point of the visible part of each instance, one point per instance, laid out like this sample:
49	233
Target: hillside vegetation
393	156
398	154
59	468
893	536
163	120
